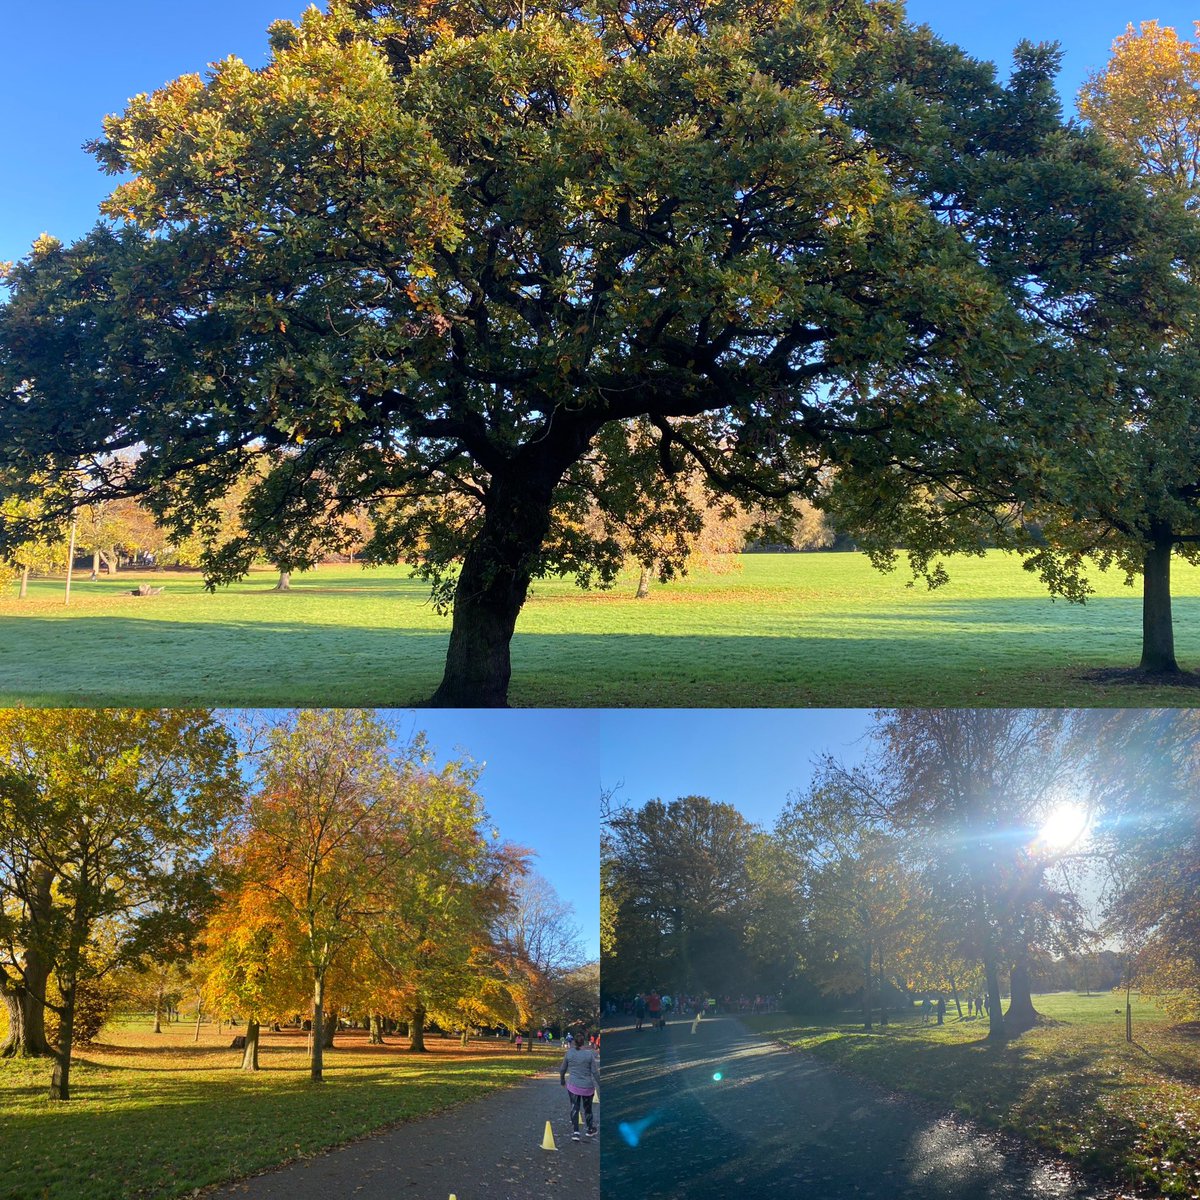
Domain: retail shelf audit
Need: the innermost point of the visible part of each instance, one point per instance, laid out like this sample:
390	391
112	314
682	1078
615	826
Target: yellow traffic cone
548	1139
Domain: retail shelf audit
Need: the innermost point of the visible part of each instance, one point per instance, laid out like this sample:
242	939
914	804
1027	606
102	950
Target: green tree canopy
448	253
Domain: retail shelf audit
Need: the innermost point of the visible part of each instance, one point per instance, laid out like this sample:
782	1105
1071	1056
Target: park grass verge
1126	1113
164	1120
784	631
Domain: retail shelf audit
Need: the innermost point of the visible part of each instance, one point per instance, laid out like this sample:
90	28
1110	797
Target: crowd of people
656	1006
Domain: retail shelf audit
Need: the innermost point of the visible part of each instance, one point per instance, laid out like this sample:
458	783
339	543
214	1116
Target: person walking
579	1073
639	1010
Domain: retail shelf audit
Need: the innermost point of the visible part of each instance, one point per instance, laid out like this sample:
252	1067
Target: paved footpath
780	1124
487	1149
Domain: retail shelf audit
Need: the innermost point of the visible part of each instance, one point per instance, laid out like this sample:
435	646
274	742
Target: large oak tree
447	253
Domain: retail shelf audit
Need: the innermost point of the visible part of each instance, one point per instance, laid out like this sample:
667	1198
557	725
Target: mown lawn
799	630
160	1116
1130	1113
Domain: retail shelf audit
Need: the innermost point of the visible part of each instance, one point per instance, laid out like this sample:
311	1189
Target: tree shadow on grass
276	661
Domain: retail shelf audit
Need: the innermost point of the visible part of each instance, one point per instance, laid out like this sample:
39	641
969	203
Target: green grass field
1129	1113
161	1116
799	630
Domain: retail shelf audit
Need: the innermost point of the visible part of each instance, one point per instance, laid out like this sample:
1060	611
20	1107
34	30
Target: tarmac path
486	1149
723	1115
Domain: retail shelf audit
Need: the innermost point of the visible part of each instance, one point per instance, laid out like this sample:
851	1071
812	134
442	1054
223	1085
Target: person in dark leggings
579	1072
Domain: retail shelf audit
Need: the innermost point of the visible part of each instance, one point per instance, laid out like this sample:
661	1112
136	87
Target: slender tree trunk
1158	632
996	1029
60	1079
868	975
318	1032
376	1026
643	587
883	1012
285	582
416	1031
95	564
199	1014
250	1054
158	1003
954	994
1128	1014
24	584
1021	1014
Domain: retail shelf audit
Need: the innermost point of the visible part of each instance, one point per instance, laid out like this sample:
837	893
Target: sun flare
1064	825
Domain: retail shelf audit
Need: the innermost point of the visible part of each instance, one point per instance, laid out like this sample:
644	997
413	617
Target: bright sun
1064	825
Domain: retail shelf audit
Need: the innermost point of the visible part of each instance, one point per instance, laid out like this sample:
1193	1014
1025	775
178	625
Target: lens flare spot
717	1077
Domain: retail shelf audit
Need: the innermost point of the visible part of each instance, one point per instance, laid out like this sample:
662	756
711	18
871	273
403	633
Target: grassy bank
799	630
158	1116
1130	1113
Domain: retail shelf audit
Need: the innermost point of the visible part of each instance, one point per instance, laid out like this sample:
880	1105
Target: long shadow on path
487	1149
779	1123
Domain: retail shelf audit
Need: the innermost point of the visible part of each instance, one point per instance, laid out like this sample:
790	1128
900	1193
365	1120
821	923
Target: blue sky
69	64
750	758
541	787
545	771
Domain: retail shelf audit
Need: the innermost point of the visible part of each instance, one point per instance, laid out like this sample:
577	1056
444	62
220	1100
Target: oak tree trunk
1158	632
497	570
24	584
1021	1014
25	993
250	1054
376	1038
285	582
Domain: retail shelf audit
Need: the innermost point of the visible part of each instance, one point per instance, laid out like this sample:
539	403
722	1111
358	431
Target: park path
780	1124
486	1149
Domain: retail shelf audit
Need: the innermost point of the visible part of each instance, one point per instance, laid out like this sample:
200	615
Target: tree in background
107	832
320	836
42	553
1146	102
1146	768
681	876
1121	492
972	785
860	898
